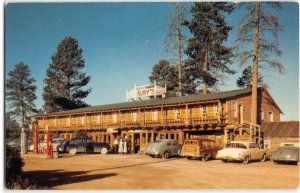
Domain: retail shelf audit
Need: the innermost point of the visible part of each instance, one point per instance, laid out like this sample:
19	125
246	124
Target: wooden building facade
277	132
216	116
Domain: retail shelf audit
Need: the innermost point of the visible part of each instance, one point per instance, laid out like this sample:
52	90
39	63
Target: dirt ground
142	172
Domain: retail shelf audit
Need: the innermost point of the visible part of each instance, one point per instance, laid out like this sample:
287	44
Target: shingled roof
281	129
160	101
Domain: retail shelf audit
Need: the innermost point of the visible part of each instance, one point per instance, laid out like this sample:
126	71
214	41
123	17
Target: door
241	114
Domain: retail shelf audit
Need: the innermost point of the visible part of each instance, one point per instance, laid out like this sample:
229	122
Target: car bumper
152	153
190	155
229	158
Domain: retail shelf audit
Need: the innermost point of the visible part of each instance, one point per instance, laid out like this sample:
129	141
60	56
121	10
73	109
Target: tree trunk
179	52
205	68
255	64
22	116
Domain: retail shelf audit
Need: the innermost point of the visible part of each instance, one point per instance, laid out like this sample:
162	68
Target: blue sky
122	41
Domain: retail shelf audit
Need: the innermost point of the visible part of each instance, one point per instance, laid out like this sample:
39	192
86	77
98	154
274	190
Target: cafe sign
146	91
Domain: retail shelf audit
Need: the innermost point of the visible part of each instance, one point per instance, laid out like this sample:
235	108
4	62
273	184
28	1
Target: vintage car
288	152
199	148
164	148
84	145
244	151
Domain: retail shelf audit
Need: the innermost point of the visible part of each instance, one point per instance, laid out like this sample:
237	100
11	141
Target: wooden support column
152	136
132	143
147	137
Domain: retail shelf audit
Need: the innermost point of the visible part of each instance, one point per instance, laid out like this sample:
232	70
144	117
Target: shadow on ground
52	178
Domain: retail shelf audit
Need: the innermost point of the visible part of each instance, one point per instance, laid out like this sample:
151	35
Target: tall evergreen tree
165	74
245	81
20	93
208	57
260	28
174	41
64	82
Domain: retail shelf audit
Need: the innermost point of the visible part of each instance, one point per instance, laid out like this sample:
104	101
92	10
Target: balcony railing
166	122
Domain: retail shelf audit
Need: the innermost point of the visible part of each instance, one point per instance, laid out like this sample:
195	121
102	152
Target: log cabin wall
182	120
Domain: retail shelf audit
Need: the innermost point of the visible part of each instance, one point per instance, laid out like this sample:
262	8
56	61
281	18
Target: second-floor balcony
148	123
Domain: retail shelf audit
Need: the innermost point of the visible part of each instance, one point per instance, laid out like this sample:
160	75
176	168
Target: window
216	108
68	120
115	117
253	146
271	117
133	116
98	119
234	109
261	115
154	115
82	120
203	110
176	113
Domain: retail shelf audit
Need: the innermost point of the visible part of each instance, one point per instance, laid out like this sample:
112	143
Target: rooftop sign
146	91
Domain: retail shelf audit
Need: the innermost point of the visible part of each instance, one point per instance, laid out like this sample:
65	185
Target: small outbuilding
278	132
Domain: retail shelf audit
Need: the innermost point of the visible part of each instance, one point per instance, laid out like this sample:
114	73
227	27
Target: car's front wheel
104	150
166	155
246	160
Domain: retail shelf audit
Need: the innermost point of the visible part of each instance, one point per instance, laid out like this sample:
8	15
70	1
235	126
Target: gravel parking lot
142	172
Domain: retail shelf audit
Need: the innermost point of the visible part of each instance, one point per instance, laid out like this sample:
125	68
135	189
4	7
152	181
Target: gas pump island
48	149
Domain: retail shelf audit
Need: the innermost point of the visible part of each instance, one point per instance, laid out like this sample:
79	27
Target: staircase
250	132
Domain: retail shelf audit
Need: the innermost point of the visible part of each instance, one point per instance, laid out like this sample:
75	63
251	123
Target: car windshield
236	145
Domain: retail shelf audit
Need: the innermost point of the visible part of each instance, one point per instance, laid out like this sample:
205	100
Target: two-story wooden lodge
220	116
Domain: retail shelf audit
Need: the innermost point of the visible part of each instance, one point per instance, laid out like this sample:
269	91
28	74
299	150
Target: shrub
14	164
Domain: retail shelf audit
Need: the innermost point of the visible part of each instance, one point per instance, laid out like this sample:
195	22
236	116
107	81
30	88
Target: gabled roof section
158	102
281	129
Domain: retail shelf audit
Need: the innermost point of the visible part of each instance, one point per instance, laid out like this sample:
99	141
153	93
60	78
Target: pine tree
64	82
165	74
20	93
175	40
245	81
208	57
11	126
260	28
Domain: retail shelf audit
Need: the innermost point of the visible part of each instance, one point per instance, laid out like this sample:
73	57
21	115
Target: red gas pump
35	139
48	147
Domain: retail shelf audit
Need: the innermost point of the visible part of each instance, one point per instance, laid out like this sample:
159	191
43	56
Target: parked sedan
241	151
85	145
164	148
288	152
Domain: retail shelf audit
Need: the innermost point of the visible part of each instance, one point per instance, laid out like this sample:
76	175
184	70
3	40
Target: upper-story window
114	117
68	120
133	116
271	119
176	113
203	110
82	120
234	109
216	109
98	119
154	115
262	115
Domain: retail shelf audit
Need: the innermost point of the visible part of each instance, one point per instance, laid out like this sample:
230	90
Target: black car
85	145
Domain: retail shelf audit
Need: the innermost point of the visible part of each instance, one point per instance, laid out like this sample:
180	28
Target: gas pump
48	146
35	139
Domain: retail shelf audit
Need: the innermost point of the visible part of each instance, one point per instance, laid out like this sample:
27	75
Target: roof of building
281	129
158	102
